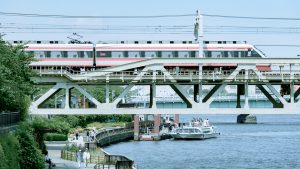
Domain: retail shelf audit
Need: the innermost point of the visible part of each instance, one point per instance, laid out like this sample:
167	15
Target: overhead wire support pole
198	32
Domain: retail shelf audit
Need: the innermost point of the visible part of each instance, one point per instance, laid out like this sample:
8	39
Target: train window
47	54
88	54
255	54
125	54
193	54
225	54
230	54
72	54
216	54
184	42
39	54
249	53
64	54
104	54
150	54
167	54
159	54
160	42
80	54
55	54
148	42
183	54
118	54
243	54
134	54
175	54
237	54
208	54
142	53
171	42
136	42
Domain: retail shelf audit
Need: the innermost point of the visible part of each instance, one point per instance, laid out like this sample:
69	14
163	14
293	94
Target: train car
109	54
125	52
73	55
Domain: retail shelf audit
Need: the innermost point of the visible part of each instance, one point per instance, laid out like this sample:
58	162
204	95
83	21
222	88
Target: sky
265	32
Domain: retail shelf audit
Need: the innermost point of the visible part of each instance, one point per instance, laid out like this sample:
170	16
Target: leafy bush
51	124
55	137
10	145
29	154
2	159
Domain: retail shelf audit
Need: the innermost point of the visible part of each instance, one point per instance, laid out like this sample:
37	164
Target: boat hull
195	136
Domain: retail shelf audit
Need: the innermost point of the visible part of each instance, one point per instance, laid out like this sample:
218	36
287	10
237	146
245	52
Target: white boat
194	132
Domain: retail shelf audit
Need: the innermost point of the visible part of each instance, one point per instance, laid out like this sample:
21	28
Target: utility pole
198	32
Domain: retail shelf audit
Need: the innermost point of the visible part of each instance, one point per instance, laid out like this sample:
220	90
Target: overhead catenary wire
142	16
95	17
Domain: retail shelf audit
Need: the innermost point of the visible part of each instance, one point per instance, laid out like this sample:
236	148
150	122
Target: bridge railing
181	75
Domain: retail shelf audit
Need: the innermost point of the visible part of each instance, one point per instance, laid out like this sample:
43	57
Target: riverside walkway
54	150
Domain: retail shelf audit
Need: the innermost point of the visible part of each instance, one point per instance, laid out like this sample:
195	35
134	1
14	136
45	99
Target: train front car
74	56
117	53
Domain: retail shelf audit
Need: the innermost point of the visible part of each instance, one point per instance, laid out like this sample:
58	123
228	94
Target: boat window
186	131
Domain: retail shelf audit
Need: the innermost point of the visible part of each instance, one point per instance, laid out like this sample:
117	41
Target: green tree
15	84
3	160
30	156
10	145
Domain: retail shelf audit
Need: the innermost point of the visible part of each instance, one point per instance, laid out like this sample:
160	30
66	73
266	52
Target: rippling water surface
272	143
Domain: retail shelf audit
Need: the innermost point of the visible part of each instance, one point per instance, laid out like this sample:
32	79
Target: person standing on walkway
79	159
86	157
88	136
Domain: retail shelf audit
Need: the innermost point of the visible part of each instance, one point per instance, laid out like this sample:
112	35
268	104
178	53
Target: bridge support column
238	96
136	127
68	98
157	121
107	93
152	96
292	92
176	119
196	92
246	96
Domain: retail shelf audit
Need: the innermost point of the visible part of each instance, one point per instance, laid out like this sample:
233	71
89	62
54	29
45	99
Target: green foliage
55	137
30	156
71	148
10	145
50	124
3	160
15	84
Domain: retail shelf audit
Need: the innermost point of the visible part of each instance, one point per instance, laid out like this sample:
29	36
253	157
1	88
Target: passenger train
101	55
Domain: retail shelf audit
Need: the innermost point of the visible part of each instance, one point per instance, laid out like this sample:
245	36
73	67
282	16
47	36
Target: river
272	143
